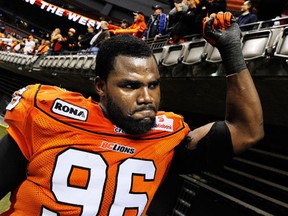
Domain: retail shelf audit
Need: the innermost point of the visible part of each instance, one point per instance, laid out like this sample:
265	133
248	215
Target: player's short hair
126	45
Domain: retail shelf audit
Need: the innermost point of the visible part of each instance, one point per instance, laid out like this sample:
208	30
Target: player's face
133	93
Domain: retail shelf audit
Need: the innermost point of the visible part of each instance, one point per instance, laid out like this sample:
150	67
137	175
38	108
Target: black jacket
190	22
85	41
105	34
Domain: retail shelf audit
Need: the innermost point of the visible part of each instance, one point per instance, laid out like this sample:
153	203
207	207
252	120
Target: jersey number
90	197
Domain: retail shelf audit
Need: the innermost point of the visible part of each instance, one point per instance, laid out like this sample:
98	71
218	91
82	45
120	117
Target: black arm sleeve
13	165
213	151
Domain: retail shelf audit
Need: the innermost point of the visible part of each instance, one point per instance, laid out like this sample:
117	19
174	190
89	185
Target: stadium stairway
253	183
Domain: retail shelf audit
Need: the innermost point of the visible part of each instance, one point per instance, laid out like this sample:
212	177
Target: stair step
278	176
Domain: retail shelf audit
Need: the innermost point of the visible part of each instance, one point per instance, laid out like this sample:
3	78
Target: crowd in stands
57	42
183	20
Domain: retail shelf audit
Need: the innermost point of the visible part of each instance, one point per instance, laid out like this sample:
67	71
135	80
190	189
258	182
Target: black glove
223	32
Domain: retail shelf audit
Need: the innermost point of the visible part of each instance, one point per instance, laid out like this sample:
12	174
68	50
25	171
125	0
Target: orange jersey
140	27
137	29
79	162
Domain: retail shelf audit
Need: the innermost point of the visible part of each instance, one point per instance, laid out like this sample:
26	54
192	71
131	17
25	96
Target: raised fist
221	31
214	26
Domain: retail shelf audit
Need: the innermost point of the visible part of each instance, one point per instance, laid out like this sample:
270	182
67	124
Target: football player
68	155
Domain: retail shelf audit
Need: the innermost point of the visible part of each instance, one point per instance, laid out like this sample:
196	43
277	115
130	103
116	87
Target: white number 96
90	197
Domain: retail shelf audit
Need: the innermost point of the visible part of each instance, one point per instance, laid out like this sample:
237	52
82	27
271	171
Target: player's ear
100	86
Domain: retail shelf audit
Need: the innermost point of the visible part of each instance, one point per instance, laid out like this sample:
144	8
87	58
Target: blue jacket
156	25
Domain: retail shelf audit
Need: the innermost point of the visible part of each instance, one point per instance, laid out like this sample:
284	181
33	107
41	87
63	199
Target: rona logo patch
63	108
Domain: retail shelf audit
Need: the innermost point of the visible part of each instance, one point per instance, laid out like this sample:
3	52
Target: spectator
69	42
124	24
172	13
19	47
136	29
190	21
11	43
180	3
5	41
84	42
157	24
284	13
43	47
2	35
56	38
80	36
2	32
246	16
98	38
36	44
29	46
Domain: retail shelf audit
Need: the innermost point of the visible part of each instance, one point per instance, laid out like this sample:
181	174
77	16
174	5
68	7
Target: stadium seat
68	59
2	55
16	58
54	62
24	59
21	57
12	57
194	52
213	55
89	66
32	60
275	33
49	61
6	57
43	61
173	55
255	44
90	62
80	62
72	63
60	61
282	44
159	53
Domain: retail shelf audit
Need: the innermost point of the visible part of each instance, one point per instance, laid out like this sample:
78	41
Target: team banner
74	17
